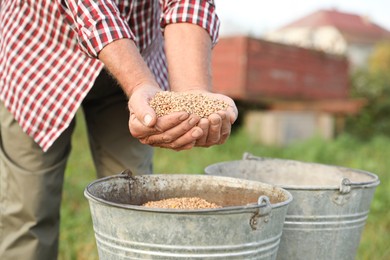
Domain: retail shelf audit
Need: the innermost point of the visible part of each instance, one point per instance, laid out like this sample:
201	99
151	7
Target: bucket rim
353	185
223	210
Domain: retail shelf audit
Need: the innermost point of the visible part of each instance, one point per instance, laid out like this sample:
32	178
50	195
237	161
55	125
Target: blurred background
297	69
312	83
260	17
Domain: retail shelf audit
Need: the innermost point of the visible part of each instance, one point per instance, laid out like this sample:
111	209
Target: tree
373	83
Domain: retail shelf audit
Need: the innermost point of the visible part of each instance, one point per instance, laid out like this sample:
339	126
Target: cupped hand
177	131
217	127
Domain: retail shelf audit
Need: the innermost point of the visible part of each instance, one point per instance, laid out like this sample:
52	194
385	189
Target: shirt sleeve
199	12
96	23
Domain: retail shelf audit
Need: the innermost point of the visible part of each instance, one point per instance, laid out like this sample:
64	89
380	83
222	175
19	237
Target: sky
257	17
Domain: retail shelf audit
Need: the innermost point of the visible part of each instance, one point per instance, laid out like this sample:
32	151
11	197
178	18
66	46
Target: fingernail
147	119
193	121
216	120
183	117
196	133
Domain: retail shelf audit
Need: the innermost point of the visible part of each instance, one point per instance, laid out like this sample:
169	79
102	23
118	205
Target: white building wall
358	55
324	38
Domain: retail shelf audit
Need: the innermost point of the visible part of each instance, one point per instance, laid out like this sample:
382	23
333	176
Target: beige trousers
31	180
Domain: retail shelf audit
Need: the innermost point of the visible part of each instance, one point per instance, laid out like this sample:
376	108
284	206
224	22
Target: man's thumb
147	120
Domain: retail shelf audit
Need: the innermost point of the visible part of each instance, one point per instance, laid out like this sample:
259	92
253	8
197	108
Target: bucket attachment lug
343	195
127	173
262	214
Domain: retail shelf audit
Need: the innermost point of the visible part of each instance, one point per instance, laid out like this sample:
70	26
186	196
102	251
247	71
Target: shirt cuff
99	32
197	12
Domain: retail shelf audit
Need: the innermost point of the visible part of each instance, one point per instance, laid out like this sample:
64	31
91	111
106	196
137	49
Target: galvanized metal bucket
248	226
329	209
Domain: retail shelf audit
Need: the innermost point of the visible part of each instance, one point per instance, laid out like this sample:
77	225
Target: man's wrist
125	63
188	50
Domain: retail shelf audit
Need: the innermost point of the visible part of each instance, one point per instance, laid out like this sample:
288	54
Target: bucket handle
263	211
345	186
249	156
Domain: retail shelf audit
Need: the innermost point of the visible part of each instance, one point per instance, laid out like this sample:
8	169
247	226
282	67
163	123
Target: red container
253	69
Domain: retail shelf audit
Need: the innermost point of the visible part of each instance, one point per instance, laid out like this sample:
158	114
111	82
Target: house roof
354	27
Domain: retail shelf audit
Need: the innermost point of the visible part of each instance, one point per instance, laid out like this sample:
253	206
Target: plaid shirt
48	51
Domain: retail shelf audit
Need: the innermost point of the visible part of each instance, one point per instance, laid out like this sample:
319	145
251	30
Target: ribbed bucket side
128	231
329	208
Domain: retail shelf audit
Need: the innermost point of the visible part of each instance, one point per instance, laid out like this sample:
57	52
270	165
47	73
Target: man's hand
177	131
217	127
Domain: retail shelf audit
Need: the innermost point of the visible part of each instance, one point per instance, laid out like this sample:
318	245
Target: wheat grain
182	203
166	102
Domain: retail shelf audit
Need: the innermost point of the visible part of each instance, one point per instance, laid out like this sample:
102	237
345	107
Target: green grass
77	239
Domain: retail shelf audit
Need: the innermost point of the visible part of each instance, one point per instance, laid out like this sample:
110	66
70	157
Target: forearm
126	64
188	50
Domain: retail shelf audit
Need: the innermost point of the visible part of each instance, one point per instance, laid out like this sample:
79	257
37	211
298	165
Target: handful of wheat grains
166	102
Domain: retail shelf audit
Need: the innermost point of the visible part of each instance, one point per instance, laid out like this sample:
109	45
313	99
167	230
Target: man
52	55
